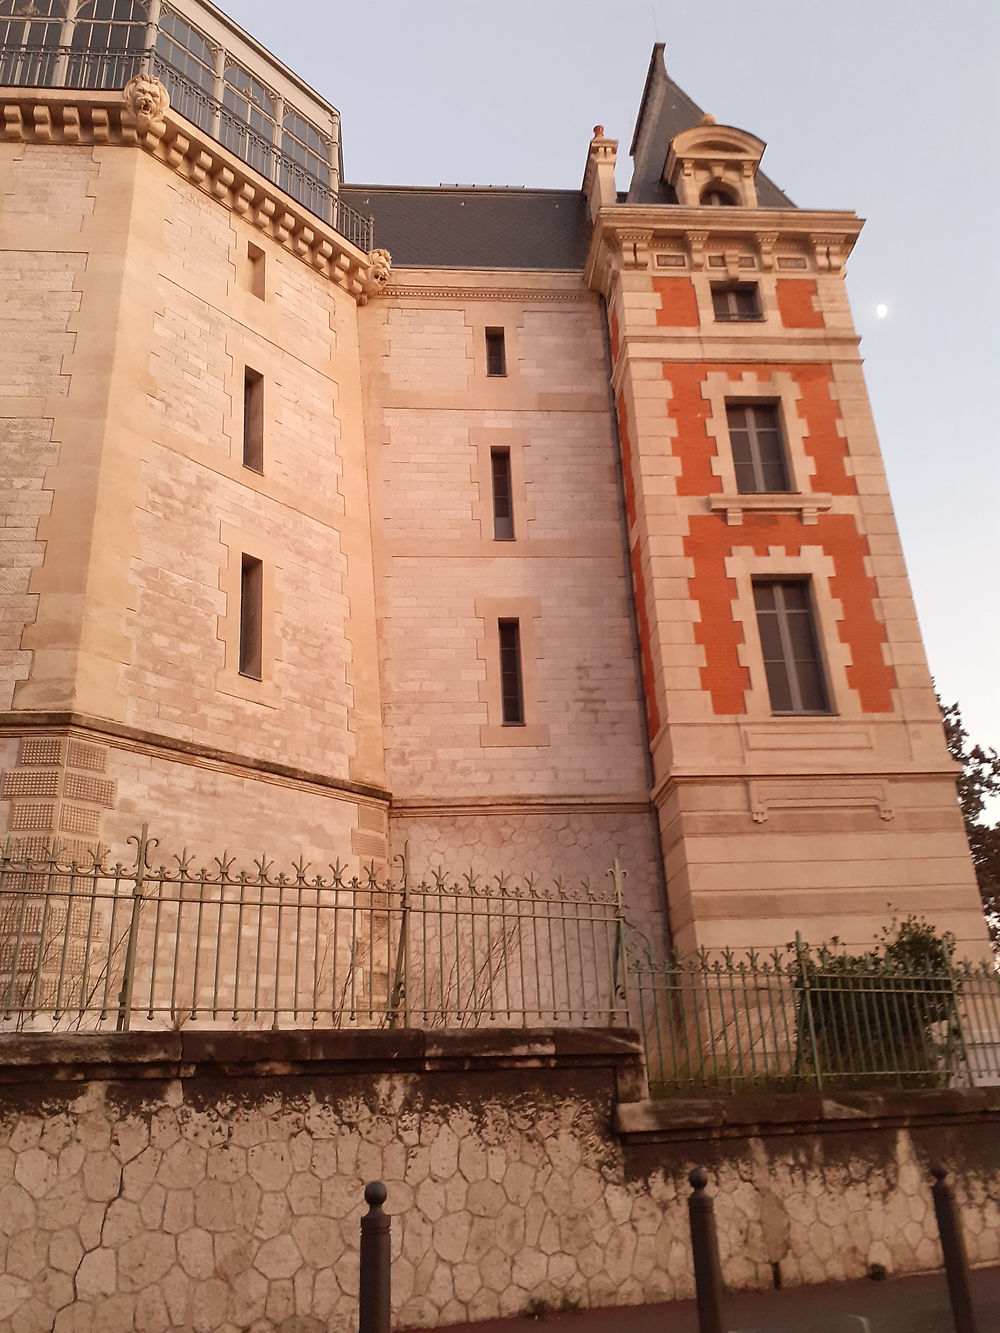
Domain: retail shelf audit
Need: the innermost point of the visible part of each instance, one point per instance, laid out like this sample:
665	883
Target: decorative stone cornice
141	116
400	291
826	237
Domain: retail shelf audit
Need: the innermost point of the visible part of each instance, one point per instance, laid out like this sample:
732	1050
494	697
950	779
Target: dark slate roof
664	111
455	226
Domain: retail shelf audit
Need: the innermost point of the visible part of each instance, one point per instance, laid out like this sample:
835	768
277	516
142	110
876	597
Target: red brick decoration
678	303
645	650
692	444
710	540
696	448
795	303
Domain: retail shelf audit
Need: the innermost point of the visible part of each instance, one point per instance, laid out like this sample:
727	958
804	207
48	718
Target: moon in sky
881	311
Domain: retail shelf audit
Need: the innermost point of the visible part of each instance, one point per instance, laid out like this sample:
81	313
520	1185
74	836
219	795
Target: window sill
803	712
808	507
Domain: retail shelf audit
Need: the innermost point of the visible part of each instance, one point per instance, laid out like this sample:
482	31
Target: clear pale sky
887	107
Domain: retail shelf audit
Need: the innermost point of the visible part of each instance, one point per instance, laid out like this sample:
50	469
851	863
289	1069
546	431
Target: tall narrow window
511	681
496	353
758	450
255	259
251	616
790	647
253	420
503	499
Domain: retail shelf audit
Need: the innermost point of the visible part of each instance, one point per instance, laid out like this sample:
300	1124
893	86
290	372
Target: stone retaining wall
213	1181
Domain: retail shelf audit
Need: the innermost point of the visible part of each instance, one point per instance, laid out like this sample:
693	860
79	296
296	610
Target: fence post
619	990
401	980
956	1265
128	976
375	1296
705	1248
806	1009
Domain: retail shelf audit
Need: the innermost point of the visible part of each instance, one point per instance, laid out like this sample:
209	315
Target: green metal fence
95	944
801	1018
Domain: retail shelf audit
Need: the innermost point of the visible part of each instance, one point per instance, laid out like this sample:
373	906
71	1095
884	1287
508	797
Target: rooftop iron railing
67	67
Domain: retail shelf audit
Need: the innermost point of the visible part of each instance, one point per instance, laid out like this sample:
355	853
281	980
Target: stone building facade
564	538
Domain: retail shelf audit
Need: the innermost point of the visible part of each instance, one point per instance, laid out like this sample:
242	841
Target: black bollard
705	1248
375	1288
956	1265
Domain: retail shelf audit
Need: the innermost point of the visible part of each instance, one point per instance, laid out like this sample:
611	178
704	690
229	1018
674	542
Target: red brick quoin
635	555
711	540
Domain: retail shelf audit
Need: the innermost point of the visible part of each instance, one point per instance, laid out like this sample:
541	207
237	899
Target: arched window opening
717	196
185	61
305	163
248	128
108	41
30	32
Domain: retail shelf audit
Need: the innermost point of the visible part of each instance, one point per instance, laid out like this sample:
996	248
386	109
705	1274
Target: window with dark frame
503	498
496	353
758	448
511	681
253	420
736	301
251	616
790	646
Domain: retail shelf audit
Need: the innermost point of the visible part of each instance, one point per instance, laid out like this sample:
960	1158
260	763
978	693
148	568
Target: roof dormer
714	165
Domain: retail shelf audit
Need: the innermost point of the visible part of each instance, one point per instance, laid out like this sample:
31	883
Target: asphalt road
899	1305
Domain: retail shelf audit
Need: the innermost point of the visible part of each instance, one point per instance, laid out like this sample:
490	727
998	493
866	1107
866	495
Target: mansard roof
453	226
665	111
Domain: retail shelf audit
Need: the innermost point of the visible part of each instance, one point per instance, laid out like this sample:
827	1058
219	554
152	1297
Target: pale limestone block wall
198	508
574	845
180	798
214	1183
40	294
569	791
131	318
821	858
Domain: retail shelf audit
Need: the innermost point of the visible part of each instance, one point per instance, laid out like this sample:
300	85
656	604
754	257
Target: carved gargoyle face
144	101
146	97
381	266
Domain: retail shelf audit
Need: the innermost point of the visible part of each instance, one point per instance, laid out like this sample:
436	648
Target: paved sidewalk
900	1305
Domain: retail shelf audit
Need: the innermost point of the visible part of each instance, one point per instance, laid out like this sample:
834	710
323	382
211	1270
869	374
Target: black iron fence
798	1018
98	944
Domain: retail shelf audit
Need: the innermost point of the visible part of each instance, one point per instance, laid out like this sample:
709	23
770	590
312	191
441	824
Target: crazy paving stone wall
213	1182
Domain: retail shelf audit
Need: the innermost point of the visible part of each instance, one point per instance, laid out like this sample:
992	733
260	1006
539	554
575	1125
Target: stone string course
213	1182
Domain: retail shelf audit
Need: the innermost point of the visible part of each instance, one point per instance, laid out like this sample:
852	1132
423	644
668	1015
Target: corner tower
802	781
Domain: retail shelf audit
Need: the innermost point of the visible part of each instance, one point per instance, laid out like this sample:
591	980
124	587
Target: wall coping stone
755	1116
137	1056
